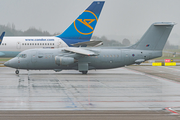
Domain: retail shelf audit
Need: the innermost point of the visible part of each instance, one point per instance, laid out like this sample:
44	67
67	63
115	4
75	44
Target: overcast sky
118	17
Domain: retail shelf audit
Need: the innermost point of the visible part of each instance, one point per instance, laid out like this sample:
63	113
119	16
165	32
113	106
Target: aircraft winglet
1	37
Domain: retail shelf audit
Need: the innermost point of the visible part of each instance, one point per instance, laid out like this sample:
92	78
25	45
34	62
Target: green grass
4	59
171	50
165	57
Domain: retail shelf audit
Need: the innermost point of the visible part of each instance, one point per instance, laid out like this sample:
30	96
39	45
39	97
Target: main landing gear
17	71
84	72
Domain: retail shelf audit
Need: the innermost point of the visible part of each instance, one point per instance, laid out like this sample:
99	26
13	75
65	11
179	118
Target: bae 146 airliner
85	58
77	34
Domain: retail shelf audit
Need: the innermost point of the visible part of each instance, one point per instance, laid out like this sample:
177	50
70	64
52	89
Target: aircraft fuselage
43	59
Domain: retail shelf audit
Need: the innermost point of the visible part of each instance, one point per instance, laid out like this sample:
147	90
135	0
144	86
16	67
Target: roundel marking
87	23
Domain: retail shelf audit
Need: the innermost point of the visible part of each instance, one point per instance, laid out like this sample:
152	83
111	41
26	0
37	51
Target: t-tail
1	37
155	37
83	27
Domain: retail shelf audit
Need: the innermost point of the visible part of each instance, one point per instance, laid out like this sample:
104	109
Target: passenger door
125	56
34	57
58	43
18	45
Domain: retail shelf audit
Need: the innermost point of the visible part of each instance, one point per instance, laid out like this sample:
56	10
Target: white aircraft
77	34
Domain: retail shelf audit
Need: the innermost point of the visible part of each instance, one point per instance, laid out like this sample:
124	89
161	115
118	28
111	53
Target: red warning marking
170	110
167	60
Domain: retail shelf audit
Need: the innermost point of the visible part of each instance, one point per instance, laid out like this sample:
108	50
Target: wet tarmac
115	89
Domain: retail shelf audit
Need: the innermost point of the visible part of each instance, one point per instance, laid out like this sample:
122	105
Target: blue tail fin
1	37
83	27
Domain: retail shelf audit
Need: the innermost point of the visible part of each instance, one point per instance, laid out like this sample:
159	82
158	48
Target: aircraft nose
11	63
6	63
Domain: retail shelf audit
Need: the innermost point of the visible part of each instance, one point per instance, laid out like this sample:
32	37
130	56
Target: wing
80	51
88	44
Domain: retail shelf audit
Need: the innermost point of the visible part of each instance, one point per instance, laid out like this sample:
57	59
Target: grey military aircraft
83	58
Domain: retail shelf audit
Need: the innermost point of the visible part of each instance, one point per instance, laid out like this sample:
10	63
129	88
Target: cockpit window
22	55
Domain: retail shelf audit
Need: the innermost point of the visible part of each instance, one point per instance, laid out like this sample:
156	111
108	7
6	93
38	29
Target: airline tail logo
1	37
86	23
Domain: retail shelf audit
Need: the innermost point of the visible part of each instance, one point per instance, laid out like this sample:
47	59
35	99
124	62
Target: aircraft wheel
17	71
84	72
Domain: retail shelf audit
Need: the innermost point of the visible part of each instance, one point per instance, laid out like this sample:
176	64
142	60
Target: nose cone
11	63
6	63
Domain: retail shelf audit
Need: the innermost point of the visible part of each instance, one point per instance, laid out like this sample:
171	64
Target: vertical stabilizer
1	37
155	37
83	27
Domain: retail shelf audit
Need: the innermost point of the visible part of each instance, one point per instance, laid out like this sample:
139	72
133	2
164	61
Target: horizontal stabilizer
80	51
164	23
88	44
139	61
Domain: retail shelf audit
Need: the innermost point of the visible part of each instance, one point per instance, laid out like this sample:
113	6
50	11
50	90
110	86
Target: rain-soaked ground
131	88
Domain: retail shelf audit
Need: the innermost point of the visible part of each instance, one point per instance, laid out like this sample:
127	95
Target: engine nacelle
64	60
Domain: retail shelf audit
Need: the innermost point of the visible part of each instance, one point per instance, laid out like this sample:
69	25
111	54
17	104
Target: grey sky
118	17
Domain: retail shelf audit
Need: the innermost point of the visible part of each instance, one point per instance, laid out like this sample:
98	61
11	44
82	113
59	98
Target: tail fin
1	37
83	27
155	37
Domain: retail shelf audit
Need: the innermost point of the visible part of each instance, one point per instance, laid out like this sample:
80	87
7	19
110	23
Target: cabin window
22	43
27	43
53	43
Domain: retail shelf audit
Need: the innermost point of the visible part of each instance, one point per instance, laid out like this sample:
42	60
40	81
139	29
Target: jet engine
64	60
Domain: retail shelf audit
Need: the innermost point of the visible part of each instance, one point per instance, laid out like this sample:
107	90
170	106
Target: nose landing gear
17	71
